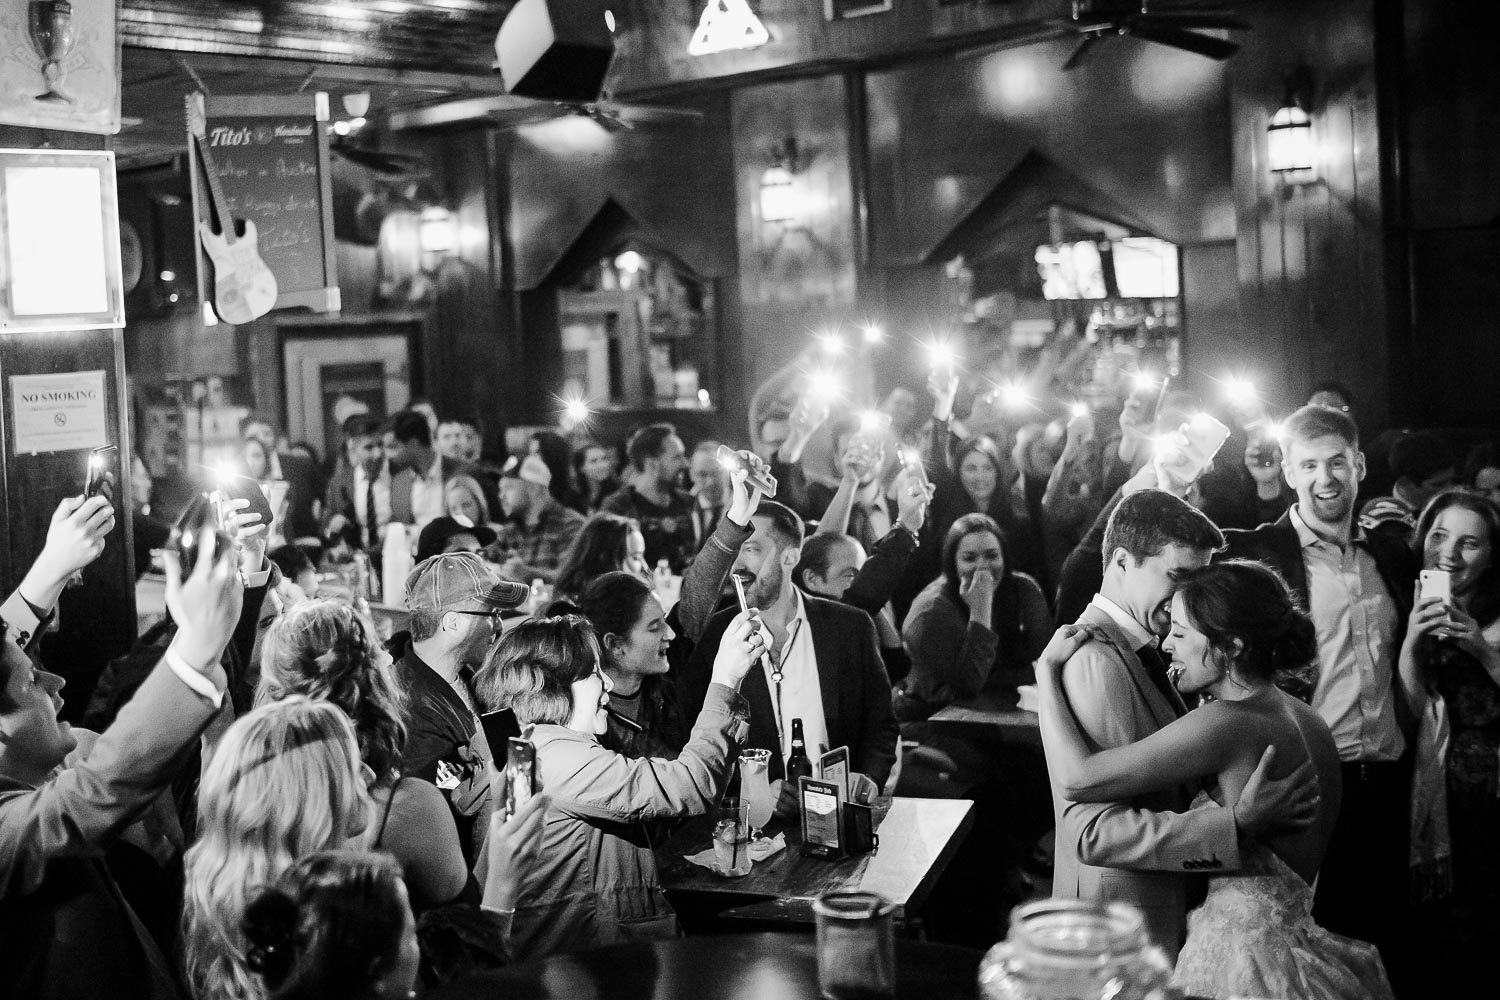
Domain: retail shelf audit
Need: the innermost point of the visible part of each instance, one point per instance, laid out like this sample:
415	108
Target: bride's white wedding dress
1254	936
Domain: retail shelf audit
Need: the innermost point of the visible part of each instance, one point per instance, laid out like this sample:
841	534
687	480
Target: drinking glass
755	788
856	941
732	839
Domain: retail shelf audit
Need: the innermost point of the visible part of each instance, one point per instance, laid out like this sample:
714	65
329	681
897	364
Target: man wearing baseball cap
537	529
456	600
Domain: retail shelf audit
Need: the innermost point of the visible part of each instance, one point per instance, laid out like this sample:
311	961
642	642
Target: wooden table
718	967
988	717
918	837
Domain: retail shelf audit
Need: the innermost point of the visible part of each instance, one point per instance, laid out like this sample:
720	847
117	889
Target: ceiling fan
386	164
1097	20
610	115
508	112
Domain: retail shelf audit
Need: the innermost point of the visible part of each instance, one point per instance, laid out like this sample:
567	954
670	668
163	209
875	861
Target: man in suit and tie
68	930
419	474
710	490
1143	851
359	494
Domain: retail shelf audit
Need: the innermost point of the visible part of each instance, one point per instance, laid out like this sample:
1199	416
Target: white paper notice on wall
58	412
56	236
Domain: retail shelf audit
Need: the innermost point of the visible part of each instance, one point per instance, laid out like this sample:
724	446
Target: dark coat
1276	544
856	690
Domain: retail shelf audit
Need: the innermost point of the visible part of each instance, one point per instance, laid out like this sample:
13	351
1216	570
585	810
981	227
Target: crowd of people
279	800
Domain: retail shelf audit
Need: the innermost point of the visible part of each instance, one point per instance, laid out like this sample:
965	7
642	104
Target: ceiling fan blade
1081	53
609	120
1041	31
652	114
514	118
382	162
1189	41
1191	19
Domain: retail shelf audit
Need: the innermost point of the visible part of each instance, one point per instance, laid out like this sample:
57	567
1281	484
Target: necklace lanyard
778	671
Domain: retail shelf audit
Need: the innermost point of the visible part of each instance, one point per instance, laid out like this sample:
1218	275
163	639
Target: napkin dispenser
859	829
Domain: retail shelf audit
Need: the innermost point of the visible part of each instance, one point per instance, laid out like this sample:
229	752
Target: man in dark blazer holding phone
825	665
68	930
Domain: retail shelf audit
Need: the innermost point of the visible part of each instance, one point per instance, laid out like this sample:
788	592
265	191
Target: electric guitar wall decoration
244	288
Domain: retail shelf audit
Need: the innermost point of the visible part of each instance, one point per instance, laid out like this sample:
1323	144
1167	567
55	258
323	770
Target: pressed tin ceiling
447	36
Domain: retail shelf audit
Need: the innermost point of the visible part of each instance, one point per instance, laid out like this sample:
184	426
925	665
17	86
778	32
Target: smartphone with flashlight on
198	526
759	478
232	486
98	470
911	461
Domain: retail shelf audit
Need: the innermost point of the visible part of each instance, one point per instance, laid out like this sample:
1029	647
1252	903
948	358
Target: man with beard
1357	587
455	600
1141	851
823	666
651	497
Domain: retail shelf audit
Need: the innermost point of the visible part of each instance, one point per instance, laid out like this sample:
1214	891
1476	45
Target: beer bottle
798	765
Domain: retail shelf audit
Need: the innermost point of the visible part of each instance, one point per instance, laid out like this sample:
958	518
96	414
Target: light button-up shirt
1356	621
427	494
800	695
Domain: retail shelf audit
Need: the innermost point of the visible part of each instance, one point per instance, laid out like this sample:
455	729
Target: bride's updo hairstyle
1247	601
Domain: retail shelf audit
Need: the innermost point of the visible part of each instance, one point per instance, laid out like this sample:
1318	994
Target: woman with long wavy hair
329	652
606	543
1454	645
284	782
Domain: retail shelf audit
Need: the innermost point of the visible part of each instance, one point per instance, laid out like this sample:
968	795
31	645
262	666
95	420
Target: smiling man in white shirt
824	665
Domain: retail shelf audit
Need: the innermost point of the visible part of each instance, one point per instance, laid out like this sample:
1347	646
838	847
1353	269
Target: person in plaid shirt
537	529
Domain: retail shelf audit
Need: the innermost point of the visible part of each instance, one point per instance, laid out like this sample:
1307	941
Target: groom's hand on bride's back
1275	805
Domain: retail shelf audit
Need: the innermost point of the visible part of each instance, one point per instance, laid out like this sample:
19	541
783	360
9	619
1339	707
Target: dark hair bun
270	925
558	608
1296	646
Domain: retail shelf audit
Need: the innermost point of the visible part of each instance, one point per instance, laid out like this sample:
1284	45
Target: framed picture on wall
59	241
60	65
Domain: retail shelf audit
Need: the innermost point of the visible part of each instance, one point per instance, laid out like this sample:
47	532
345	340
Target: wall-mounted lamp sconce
1289	139
355	106
778	203
437	235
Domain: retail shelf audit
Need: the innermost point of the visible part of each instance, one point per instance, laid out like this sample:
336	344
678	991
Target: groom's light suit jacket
1145	850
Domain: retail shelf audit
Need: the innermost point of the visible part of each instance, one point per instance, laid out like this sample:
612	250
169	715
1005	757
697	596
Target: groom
1143	851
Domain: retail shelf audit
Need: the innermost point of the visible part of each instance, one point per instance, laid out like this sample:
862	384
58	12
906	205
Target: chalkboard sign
271	156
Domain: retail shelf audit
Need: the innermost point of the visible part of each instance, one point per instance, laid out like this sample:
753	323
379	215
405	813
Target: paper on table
1029	698
760	849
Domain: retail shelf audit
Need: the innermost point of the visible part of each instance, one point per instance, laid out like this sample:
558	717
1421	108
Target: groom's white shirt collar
1138	635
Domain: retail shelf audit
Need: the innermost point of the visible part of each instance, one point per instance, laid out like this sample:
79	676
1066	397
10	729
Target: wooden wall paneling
794	278
1145	125
97	618
1312	267
1452	88
1215	339
1453	282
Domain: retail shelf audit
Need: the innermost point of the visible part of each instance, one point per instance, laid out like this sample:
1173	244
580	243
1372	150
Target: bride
1234	629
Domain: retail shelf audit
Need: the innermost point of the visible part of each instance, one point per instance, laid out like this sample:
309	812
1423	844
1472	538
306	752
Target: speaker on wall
556	50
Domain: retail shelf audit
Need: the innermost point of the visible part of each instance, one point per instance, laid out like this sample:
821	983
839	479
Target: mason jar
1074	949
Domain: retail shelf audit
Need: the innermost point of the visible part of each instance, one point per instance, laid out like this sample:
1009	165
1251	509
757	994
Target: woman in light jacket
596	883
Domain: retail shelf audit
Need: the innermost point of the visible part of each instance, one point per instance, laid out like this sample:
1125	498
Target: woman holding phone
596	882
1454	645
